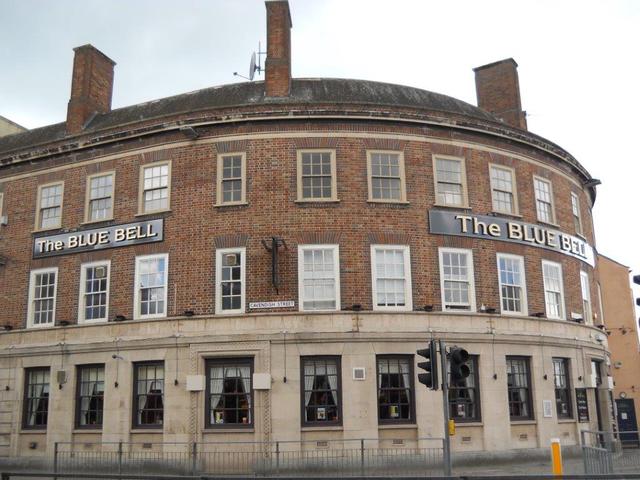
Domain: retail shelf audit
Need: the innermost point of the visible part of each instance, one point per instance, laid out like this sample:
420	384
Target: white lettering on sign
279	304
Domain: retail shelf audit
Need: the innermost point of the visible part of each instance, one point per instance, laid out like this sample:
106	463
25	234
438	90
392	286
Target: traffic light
430	366
636	280
458	358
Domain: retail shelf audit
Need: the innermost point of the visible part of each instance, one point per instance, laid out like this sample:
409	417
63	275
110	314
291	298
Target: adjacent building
260	261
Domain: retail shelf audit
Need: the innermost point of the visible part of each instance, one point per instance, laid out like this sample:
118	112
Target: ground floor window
149	394
519	390
464	397
562	387
321	382
36	398
90	396
229	392
395	389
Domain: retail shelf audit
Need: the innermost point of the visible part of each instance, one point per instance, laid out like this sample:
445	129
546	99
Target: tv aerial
254	65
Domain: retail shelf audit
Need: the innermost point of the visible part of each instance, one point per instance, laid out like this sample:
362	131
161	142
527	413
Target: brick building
260	261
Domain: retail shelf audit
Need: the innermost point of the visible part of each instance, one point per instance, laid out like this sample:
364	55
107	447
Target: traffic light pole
446	447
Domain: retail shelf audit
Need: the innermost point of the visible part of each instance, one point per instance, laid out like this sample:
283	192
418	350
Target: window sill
394	426
453	207
582	236
87	430
316	200
460	424
159	430
388	202
321	428
566	420
523	422
549	224
50	229
41	431
505	214
102	220
231	204
229	430
155	212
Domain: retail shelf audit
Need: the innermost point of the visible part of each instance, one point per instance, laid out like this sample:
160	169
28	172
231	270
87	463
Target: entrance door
627	422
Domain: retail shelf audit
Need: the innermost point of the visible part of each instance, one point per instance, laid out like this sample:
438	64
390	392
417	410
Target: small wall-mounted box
359	373
261	381
195	383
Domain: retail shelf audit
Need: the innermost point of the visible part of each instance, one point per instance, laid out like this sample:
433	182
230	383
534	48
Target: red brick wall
194	226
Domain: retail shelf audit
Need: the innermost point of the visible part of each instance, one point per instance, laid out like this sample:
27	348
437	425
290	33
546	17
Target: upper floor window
562	385
464	396
575	210
90	396
456	279
450	181
100	197
36	398
519	388
513	292
395	389
391	277
148	394
553	289
319	277
150	294
386	177
155	188
321	391
231	179
544	200
503	189
94	292
1	201
317	175
49	214
229	400
586	297
230	280
43	285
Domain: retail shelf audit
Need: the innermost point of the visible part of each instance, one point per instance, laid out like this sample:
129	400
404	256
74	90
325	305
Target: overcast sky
579	65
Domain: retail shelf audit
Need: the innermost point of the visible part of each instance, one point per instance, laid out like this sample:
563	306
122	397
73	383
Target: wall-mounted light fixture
119	318
189	313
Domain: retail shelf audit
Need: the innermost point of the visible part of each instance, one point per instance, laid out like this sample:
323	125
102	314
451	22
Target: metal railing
357	457
610	452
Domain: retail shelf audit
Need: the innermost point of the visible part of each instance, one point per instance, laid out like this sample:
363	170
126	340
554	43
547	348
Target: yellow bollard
556	457
452	427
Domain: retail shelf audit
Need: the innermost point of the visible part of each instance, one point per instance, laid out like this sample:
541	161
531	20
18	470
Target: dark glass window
464	398
563	387
90	396
519	389
229	392
395	389
321	384
148	401
36	398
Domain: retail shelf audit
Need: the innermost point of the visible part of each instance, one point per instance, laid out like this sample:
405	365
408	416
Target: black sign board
98	238
583	404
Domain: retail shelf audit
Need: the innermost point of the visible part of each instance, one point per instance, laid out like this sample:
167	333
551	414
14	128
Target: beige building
619	317
7	127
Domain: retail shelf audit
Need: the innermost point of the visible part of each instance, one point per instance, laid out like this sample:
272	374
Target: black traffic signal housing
458	358
430	366
636	280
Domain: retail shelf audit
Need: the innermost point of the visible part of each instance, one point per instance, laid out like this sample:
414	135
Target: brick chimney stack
91	87
498	91
278	63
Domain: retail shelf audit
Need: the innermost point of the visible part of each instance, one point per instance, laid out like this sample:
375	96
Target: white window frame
219	179
403	183
514	188
406	252
38	227
136	291
563	309
576	214
585	290
463	177
523	286
81	297
552	221
87	206
336	274
243	261
334	181
30	309
141	190
470	279
1	202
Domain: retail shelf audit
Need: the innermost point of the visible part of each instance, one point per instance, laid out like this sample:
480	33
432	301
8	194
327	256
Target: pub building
260	262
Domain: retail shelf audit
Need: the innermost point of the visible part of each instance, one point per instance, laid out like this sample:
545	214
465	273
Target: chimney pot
278	62
91	87
498	91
